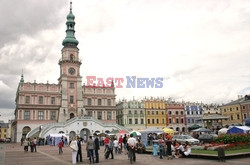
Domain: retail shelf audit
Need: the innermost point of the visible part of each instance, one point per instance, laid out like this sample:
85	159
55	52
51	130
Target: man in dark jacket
79	152
97	147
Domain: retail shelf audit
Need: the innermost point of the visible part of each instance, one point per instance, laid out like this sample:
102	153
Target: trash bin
221	154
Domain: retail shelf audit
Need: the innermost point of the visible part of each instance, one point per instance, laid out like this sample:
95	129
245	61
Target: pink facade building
40	104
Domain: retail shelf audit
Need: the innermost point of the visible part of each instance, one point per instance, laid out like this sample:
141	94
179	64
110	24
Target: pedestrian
26	145
116	144
34	144
79	152
120	141
111	147
106	143
124	140
90	149
60	146
131	146
97	148
74	147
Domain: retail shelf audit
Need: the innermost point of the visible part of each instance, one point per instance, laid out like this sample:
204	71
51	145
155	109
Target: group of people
171	148
92	147
29	142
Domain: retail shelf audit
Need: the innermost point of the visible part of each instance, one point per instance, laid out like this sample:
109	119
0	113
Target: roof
4	125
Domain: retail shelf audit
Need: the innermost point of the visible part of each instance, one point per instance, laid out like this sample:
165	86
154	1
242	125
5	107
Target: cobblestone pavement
13	154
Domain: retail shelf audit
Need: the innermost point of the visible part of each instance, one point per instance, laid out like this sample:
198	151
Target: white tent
222	131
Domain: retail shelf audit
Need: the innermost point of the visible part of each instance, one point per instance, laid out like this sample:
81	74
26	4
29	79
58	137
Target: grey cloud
27	17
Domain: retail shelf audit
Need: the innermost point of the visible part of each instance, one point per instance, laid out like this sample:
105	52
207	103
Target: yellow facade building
4	131
155	113
233	111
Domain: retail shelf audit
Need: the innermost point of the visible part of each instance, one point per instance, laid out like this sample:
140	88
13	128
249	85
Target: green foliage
233	138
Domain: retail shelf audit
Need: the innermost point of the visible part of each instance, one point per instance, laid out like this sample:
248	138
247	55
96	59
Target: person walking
74	147
60	146
97	148
90	149
79	152
34	144
131	145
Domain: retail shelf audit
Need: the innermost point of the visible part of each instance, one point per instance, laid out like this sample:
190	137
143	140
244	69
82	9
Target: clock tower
70	80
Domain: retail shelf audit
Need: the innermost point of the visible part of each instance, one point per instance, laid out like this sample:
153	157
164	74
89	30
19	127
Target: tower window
71	99
71	85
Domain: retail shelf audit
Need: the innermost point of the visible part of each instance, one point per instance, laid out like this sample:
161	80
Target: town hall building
68	107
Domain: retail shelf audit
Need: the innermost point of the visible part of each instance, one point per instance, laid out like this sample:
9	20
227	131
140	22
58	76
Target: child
60	146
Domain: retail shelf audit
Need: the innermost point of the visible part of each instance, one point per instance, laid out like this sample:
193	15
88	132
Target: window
26	115
148	121
40	99
181	112
153	112
162	112
182	120
153	121
192	120
243	107
157	121
156	112
89	113
99	101
142	121
89	101
177	113
230	109
109	102
71	99
238	116
177	120
188	120
130	121
129	112
232	117
99	115
71	85
169	112
245	115
188	112
141	112
225	110
170	121
108	115
27	99
148	112
40	115
163	121
52	115
53	100
136	121
135	112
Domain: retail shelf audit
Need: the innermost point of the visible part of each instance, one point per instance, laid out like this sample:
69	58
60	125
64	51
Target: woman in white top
74	147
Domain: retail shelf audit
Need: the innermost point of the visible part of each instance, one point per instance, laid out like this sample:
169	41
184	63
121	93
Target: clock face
72	71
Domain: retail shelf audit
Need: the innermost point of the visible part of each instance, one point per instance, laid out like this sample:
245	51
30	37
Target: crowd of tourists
162	145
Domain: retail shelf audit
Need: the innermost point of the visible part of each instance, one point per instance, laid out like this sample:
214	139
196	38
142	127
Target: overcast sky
201	49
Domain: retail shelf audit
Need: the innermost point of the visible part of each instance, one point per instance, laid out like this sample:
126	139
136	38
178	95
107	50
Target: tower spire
70	31
22	80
